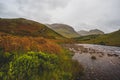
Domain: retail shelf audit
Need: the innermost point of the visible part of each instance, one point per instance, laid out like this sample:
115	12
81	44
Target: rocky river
100	62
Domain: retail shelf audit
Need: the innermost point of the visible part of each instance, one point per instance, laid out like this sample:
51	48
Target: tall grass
15	43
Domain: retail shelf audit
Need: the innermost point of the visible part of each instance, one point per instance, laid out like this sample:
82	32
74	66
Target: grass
36	58
24	27
112	39
30	51
15	43
67	33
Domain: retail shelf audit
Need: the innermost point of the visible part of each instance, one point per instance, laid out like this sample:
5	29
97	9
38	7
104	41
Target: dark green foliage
23	68
29	65
41	66
102	43
86	38
5	58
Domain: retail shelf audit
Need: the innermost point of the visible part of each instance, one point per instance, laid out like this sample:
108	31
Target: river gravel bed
104	66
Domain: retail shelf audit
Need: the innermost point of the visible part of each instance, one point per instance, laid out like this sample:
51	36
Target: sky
80	14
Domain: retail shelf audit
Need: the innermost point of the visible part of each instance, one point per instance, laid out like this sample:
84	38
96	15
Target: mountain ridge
25	27
90	32
112	39
64	29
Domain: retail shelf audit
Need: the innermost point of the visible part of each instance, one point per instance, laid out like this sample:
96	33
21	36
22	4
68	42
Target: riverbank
100	62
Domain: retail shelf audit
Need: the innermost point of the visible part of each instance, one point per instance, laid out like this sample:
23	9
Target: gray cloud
8	10
43	3
39	9
81	14
1	8
101	14
32	9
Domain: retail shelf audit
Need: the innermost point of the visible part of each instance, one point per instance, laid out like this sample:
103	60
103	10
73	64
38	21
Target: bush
102	43
23	67
31	64
41	66
5	58
93	57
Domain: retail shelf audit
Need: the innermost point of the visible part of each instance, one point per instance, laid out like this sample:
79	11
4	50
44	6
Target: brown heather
14	43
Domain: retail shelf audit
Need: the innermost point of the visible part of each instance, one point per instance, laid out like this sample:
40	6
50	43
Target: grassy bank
36	58
112	39
38	66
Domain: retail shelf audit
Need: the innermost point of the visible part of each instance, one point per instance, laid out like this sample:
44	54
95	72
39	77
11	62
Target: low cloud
81	14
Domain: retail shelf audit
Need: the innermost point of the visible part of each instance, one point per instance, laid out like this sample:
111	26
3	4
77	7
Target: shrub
5	58
32	64
93	57
41	66
102	43
23	67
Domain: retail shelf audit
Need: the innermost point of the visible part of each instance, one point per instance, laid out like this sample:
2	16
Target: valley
30	50
59	39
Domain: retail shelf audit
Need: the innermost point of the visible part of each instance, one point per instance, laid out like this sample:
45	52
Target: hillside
91	32
24	27
29	51
65	30
112	39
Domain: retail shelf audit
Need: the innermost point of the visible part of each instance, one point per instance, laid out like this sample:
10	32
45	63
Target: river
104	66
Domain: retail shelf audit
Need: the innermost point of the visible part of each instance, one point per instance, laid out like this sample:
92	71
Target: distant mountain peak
64	29
90	32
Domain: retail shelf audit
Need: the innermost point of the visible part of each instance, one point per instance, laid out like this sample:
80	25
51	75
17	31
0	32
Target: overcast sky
81	14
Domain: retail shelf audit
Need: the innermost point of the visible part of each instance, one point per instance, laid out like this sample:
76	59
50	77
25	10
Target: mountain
112	39
65	30
91	32
95	31
24	27
83	32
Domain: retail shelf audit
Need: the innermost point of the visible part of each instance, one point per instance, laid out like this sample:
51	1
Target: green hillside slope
24	27
65	30
112	39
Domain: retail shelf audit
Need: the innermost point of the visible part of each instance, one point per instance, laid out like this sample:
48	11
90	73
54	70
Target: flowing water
105	65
